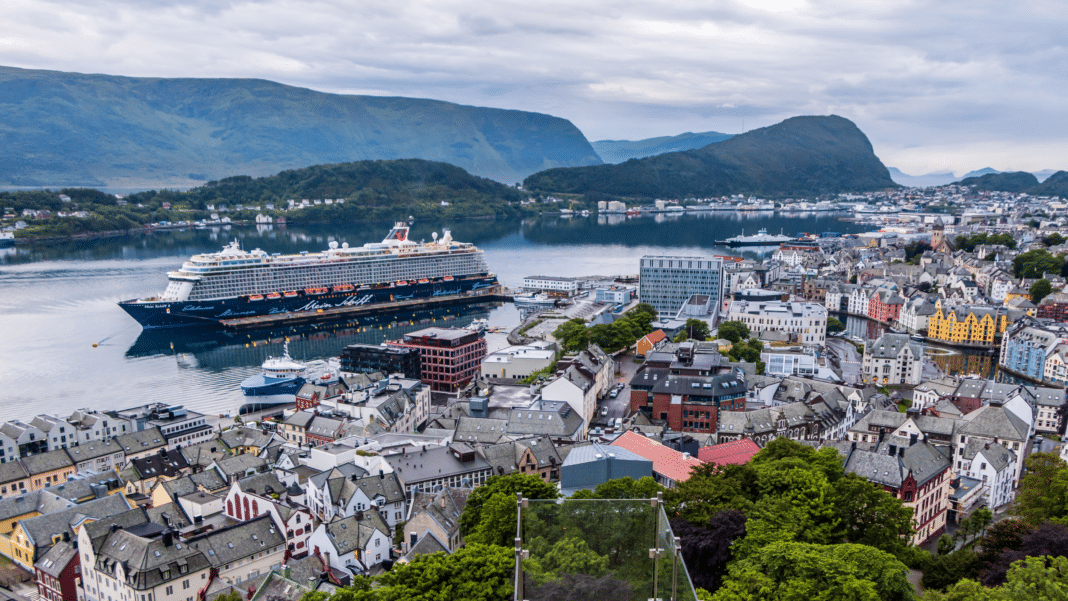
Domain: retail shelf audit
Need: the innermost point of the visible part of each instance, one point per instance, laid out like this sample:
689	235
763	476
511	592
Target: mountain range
802	156
943	178
618	151
71	129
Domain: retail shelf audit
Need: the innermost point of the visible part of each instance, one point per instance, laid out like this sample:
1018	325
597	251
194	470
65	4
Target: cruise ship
234	283
762	238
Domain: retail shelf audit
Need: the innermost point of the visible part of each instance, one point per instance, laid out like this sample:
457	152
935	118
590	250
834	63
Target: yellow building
48	469
33	536
969	324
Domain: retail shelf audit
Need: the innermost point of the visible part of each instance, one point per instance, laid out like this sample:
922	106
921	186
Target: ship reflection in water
220	349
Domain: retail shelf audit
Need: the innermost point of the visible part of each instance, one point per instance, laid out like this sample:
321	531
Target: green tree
1034	263
1043	492
787	571
566	556
475	572
572	335
622	488
835	325
734	331
1040	290
941	571
490	512
696	329
1054	239
1030	579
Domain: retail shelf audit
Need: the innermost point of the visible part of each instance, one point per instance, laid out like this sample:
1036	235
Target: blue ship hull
173	314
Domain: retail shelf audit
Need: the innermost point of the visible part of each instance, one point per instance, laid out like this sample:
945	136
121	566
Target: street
619	406
847	357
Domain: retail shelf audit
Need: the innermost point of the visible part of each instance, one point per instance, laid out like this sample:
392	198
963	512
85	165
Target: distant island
70	129
802	156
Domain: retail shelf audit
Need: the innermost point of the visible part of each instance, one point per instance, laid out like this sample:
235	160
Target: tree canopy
1040	290
490	513
790	571
1035	263
735	331
1043	492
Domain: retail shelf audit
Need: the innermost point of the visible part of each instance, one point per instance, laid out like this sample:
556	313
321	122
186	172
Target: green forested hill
1017	181
62	129
801	156
1055	185
617	151
372	189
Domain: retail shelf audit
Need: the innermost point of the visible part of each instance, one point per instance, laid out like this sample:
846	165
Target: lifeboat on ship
315	290
424	281
274	295
255	297
448	278
344	288
290	294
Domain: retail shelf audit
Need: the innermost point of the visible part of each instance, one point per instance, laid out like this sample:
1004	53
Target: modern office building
369	358
448	358
668	282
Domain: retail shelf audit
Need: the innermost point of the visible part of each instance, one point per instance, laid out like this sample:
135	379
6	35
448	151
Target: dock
344	313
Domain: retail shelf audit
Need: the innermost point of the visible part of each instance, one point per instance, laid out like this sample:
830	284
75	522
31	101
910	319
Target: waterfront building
967	324
553	284
807	320
893	359
667	282
449	358
369	358
179	426
916	313
885	306
1026	349
616	295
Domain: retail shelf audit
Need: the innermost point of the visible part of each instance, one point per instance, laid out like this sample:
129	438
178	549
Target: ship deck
339	313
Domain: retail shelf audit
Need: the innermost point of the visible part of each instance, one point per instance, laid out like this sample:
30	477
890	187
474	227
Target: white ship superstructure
233	272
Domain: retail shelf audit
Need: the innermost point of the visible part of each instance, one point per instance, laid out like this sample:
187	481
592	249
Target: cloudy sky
936	86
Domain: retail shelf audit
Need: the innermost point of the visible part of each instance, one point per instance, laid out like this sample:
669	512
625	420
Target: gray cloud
967	84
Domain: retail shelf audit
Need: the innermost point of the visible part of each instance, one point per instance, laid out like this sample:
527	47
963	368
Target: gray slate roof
47	462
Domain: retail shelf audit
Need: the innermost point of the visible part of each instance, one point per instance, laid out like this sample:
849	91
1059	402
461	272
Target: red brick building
1054	306
449	358
689	403
885	306
58	573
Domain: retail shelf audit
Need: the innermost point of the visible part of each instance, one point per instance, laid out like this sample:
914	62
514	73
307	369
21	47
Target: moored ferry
235	283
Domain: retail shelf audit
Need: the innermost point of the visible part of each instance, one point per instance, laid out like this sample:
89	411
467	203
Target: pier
342	313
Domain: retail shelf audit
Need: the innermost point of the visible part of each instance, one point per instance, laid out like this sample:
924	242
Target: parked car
614	393
604	411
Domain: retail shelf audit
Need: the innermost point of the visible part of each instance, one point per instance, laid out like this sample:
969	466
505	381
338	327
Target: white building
518	362
807	320
352	544
548	283
893	359
994	465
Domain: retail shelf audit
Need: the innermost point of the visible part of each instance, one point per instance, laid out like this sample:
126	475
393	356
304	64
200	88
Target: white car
604	411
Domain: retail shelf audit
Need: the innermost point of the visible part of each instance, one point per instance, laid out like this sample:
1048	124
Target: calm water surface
56	300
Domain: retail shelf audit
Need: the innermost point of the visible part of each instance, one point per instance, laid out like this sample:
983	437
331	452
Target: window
170	590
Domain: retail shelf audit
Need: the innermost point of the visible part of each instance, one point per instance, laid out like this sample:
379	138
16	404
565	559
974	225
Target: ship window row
266	281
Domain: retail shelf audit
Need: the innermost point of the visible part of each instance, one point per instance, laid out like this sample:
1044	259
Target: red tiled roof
735	452
655	336
666	461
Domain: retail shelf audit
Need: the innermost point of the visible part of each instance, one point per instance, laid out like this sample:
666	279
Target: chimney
168	538
893	450
901	452
913	438
986	446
